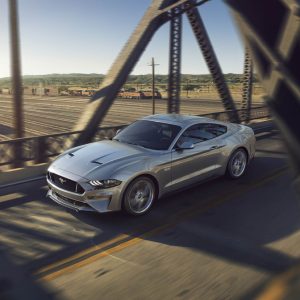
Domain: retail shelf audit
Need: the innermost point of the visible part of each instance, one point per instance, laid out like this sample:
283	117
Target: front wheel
139	196
237	164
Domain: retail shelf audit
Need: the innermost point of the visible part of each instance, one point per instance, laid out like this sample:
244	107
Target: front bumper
92	200
67	202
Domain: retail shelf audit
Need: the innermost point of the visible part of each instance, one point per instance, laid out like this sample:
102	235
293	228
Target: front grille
65	183
71	201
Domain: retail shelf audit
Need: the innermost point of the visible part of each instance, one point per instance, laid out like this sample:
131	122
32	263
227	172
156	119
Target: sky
85	36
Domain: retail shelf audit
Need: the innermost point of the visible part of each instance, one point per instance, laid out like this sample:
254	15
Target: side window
214	130
192	135
202	132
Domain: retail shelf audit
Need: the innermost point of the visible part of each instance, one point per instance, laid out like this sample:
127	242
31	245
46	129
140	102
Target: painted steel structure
271	31
247	86
16	79
175	62
274	44
159	12
212	62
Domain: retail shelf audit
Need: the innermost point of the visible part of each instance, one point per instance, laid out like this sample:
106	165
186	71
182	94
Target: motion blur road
49	115
219	240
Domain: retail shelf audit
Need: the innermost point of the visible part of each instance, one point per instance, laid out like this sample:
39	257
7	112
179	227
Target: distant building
89	92
76	91
28	90
6	91
40	91
80	91
51	91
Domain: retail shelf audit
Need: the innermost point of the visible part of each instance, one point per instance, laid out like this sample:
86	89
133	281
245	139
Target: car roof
180	120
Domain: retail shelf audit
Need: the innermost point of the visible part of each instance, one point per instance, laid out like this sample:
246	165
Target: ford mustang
146	160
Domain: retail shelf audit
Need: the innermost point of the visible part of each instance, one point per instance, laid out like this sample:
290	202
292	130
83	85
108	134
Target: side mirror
118	131
185	145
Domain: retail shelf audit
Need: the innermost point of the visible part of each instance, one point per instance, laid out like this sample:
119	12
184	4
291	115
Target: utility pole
153	84
187	88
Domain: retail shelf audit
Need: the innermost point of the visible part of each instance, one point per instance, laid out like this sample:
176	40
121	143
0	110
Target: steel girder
212	62
274	42
117	75
157	14
17	90
175	63
247	86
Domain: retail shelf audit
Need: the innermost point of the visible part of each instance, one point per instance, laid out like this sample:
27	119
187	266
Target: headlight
104	184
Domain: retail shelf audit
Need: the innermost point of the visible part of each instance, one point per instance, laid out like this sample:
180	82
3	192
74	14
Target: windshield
149	134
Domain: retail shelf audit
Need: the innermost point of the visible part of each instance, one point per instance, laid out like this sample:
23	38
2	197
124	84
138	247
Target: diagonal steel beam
212	62
117	75
159	12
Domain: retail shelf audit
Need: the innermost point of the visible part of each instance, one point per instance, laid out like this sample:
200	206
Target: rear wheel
237	164
139	196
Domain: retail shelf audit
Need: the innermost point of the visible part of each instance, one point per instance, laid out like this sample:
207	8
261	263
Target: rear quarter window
215	129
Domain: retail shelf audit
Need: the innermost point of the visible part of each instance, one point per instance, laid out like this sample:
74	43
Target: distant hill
93	80
58	79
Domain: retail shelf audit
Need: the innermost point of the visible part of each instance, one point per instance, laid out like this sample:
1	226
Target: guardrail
39	149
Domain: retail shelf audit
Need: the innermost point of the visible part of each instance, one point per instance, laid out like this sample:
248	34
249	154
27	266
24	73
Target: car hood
85	160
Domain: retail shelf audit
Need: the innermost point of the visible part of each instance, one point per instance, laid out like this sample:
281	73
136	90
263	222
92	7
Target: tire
139	196
237	164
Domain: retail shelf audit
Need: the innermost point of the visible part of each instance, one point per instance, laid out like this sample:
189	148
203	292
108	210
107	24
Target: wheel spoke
140	204
146	191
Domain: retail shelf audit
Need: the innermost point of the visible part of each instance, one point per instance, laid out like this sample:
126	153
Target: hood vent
96	162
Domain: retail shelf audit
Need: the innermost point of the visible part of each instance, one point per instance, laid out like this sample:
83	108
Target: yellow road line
278	287
53	270
9	197
84	252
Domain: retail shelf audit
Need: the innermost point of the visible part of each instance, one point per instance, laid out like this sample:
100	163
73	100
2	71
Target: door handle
213	147
216	147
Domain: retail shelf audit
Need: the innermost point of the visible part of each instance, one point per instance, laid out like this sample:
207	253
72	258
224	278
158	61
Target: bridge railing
259	112
40	149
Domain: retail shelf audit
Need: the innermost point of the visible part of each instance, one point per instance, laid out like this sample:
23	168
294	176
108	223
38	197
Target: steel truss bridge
271	33
273	43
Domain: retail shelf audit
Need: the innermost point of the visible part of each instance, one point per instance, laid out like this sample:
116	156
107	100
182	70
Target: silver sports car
148	159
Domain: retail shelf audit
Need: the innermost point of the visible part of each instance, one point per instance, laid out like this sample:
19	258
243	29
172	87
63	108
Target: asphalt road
219	240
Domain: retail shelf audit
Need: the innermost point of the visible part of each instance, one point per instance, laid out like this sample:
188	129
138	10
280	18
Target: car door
192	165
